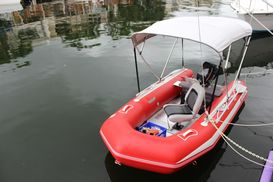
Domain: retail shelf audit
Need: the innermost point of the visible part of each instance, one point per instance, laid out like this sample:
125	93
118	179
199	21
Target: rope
226	139
238	124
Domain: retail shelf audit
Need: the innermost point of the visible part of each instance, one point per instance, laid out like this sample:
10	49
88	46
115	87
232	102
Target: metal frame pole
168	58
242	60
148	65
215	85
136	69
225	69
183	62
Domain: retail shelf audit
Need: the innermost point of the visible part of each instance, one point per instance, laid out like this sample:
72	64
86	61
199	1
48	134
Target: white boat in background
269	2
259	13
8	6
9	2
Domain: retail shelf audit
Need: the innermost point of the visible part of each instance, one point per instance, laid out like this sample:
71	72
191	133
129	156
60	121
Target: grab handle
126	108
189	133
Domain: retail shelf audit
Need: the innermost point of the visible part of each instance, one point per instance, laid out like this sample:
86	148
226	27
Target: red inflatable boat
156	131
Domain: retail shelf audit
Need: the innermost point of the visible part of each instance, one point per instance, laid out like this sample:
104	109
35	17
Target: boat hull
165	154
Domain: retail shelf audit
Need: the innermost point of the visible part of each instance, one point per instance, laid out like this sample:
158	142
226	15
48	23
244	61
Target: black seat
211	73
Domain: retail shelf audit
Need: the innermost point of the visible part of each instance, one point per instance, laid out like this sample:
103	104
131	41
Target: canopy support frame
183	61
136	70
215	85
247	41
168	58
148	65
225	69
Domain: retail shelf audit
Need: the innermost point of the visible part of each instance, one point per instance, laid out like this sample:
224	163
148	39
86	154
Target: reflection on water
80	23
13	46
75	22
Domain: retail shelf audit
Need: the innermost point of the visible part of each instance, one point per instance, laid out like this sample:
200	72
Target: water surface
66	66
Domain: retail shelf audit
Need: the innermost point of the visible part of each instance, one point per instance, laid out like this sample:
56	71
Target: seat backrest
211	73
194	97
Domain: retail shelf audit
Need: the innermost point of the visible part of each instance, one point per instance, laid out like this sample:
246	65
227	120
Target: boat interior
181	112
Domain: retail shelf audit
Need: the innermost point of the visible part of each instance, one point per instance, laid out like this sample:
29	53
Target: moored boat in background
258	13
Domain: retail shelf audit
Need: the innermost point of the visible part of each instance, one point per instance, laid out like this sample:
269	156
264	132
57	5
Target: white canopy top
215	32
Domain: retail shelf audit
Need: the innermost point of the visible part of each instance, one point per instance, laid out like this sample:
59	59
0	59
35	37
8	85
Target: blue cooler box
150	125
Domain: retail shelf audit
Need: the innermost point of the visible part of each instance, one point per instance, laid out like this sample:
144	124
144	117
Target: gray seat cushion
186	112
178	109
